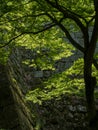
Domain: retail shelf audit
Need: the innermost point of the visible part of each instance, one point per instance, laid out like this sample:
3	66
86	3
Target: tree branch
75	18
73	42
68	14
48	26
11	40
77	15
30	32
25	16
91	20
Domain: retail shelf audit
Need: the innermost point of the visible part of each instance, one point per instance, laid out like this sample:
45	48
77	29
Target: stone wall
31	77
67	113
13	110
14	114
16	71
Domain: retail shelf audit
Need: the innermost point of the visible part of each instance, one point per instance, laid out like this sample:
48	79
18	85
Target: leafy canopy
20	20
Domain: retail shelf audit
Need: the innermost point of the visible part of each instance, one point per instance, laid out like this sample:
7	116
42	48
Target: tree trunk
90	83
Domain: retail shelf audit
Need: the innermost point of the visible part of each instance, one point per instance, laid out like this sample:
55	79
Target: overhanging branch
20	18
12	39
29	32
68	14
73	42
42	30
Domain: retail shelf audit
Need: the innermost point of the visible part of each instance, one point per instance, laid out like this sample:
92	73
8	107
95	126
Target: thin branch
73	17
39	31
68	14
74	43
91	20
14	38
70	11
28	32
25	16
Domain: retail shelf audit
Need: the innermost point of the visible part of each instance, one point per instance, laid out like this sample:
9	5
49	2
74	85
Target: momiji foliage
27	18
20	20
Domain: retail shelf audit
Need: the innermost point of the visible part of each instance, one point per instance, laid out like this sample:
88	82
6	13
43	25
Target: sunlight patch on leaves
67	82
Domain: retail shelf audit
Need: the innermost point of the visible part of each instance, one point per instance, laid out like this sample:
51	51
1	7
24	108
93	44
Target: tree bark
90	83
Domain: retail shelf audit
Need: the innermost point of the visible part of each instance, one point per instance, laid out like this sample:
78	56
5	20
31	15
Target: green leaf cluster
69	82
47	48
4	54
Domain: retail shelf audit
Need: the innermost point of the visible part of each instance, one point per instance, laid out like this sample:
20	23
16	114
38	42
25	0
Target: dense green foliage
46	27
48	50
70	82
20	20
